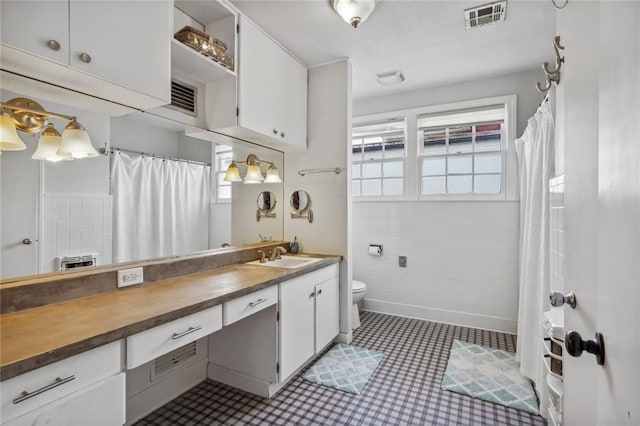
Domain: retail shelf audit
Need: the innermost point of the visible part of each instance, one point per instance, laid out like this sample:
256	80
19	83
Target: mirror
87	209
266	201
299	201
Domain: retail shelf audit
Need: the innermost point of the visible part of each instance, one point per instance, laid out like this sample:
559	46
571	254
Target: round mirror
266	201
299	201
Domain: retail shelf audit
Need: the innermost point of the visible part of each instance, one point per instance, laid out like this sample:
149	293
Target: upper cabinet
115	50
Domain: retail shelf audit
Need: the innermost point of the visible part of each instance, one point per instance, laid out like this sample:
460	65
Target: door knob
27	241
558	299
575	345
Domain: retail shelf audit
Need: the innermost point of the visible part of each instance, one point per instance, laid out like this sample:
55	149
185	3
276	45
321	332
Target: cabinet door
297	342
30	25
295	103
327	315
260	89
129	43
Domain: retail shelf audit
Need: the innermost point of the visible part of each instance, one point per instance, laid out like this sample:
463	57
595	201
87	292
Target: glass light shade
76	142
9	139
354	12
233	174
272	175
48	146
254	174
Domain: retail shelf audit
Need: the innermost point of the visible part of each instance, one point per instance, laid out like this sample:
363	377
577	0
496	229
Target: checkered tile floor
404	390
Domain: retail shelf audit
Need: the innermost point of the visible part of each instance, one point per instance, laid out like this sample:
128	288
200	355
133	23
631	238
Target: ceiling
425	39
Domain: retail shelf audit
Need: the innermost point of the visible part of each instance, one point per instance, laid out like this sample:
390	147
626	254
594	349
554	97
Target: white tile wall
76	224
556	233
462	260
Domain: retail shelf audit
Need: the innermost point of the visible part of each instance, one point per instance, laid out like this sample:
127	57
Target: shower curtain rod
111	150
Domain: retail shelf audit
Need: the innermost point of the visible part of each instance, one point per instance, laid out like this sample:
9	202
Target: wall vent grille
174	358
184	97
486	14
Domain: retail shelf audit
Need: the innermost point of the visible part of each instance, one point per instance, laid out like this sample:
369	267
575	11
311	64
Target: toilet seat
358	286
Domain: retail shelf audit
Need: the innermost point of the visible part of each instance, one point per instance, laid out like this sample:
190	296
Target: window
378	161
223	157
462	152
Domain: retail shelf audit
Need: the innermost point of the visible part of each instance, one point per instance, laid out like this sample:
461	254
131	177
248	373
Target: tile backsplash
74	225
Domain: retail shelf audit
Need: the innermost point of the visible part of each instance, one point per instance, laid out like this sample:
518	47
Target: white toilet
358	288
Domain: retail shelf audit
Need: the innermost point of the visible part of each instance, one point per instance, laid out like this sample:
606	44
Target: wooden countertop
36	337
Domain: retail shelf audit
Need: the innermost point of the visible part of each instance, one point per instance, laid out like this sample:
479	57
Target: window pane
488	163
372	187
459	184
355	187
393	169
488	137
460	139
433	141
459	164
487	184
393	186
224	192
394	149
433	185
371	170
355	171
357	152
373	151
433	166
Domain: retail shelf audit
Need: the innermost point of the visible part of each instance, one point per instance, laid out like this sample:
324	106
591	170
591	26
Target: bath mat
489	374
344	367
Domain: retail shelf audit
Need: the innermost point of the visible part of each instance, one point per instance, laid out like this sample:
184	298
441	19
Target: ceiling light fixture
254	172
354	12
389	78
29	116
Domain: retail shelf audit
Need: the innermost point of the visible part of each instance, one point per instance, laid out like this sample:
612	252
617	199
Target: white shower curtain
535	151
161	207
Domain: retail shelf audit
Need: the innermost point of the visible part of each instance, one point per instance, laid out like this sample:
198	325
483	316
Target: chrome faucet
263	258
277	251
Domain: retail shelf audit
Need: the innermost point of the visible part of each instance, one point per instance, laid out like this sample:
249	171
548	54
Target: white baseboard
485	322
344	338
165	390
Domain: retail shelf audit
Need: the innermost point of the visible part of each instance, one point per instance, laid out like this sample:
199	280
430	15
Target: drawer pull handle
257	302
57	382
187	331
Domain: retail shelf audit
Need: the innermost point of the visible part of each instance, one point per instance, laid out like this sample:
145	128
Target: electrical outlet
127	277
402	261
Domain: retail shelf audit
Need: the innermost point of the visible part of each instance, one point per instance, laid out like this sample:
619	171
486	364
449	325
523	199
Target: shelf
196	65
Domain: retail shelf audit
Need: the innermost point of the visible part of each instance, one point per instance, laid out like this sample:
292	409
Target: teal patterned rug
346	368
489	374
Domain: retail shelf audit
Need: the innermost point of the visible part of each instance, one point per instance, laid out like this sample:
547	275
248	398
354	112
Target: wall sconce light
254	172
354	12
28	116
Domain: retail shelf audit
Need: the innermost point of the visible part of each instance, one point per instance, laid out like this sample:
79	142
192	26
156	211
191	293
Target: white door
19	183
326	312
609	185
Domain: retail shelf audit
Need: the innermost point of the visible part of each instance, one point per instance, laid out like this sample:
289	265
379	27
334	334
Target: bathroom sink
291	262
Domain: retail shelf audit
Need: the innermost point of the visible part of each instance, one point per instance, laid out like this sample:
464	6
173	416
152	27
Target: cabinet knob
27	241
282	135
275	131
85	57
53	44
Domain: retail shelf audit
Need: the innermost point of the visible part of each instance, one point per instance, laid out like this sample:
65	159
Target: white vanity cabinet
85	389
271	94
115	50
308	317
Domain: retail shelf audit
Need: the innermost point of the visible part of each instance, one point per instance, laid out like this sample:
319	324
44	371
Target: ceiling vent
485	14
184	97
389	78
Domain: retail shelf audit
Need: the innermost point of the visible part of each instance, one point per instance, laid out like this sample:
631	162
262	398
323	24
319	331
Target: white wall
462	256
329	135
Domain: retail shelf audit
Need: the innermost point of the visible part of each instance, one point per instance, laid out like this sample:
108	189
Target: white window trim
412	157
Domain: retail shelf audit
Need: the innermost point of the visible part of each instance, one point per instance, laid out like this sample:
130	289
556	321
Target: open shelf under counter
196	65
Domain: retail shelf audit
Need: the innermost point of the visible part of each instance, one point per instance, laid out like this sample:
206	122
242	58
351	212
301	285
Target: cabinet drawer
242	307
100	404
150	344
39	387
